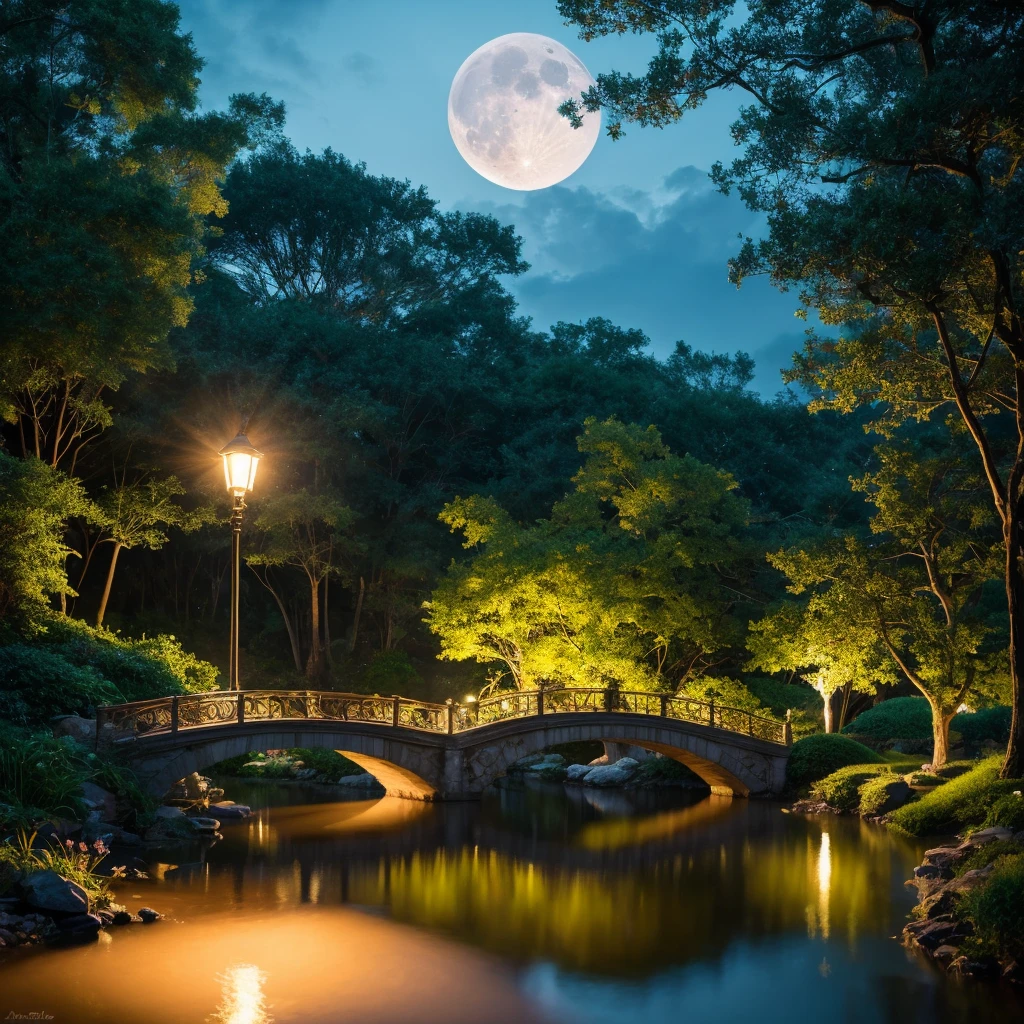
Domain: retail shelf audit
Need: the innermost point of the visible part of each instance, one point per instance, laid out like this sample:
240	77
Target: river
541	903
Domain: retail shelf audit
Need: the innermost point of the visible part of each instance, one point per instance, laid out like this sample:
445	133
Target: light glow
241	461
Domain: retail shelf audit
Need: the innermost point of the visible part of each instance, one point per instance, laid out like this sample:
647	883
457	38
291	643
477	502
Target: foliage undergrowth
329	764
909	719
62	666
42	777
22	855
996	910
842	789
814	757
962	802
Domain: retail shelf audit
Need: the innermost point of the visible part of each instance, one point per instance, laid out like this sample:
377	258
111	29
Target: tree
819	640
299	531
137	515
915	595
107	176
884	142
623	585
35	503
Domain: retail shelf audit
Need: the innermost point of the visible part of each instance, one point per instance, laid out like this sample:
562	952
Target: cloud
657	260
362	66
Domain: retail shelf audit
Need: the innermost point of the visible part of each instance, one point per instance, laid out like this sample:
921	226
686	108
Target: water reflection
243	1001
539	903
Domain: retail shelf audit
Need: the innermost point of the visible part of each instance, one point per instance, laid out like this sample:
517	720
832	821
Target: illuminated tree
884	141
620	586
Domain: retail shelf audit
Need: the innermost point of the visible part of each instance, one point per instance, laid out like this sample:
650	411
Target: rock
531	762
81	730
931	871
76	930
935	934
975	968
946	953
306	773
99	799
599	761
897	793
606	775
106	916
8	938
991	835
121	917
575	772
48	891
147	915
970	880
937	905
110	834
1014	971
207	826
361	781
943	856
169	812
215	793
626	764
226	809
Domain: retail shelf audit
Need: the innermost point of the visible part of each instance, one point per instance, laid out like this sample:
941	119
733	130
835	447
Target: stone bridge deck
445	751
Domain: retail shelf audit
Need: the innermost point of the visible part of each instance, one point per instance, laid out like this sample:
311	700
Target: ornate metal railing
173	714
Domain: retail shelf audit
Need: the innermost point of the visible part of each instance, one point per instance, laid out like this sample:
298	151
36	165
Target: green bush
814	757
1007	811
997	910
664	771
925	779
37	684
841	789
391	672
985	855
988	724
900	718
67	667
962	802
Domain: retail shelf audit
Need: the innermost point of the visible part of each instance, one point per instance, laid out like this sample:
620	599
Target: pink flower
69	843
83	847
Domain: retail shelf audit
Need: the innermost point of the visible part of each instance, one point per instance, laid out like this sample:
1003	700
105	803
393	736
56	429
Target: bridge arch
729	765
404	769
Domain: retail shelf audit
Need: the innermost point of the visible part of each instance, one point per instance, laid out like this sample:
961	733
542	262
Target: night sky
638	234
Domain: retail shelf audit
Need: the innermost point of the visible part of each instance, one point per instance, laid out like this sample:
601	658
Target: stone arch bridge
449	751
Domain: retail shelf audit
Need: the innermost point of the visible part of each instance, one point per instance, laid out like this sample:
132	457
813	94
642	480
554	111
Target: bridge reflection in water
667	886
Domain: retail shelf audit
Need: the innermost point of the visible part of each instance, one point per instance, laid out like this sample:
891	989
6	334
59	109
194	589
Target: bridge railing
188	711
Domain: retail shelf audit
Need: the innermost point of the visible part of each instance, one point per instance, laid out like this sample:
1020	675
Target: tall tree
138	515
623	585
107	176
884	142
916	595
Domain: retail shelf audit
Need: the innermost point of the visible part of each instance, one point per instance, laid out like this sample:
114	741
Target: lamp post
240	462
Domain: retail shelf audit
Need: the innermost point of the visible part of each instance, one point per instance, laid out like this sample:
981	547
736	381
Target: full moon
503	111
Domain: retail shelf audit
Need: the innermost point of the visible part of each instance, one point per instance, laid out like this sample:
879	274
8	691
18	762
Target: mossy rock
883	794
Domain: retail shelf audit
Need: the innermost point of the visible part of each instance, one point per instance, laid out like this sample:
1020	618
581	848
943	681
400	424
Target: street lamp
240	462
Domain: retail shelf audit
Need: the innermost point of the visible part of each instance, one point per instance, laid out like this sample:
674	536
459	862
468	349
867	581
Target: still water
539	904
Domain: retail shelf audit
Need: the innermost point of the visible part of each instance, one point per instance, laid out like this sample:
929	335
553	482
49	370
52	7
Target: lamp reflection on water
242	999
824	882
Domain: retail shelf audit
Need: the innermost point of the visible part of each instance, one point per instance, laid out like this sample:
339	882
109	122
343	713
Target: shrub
899	718
987	724
1007	811
960	803
925	779
68	667
841	789
77	862
391	672
814	757
997	910
985	855
38	683
41	777
328	763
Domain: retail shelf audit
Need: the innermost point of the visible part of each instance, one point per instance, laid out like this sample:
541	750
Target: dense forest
452	497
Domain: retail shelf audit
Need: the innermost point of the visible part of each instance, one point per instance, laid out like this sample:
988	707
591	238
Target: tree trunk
1013	764
109	583
355	617
940	736
827	705
313	664
844	706
327	624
